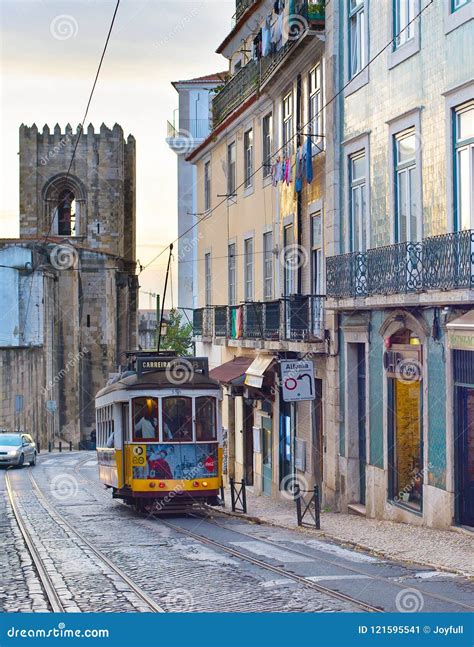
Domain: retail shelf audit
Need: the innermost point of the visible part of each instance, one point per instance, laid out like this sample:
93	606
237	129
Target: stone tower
84	219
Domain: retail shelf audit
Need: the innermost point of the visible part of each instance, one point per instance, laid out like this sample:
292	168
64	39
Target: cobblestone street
103	556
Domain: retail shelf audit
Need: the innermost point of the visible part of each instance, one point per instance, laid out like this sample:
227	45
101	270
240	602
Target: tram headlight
204	484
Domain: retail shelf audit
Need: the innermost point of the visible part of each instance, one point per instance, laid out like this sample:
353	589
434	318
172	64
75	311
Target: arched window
65	206
66	213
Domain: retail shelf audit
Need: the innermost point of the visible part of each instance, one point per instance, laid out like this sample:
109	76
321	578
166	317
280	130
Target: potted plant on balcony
316	11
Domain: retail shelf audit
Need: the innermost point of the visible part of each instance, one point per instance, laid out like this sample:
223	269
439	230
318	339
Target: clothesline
282	169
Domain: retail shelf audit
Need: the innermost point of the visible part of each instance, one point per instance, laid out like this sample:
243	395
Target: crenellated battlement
79	183
51	135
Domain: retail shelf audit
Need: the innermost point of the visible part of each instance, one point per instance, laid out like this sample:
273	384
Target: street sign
297	380
51	405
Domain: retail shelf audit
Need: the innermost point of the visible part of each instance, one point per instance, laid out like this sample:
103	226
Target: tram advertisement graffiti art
164	461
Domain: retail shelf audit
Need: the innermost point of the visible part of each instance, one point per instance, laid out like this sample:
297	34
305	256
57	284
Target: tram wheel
139	505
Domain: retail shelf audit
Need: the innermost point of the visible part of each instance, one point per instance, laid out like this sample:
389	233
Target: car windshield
10	441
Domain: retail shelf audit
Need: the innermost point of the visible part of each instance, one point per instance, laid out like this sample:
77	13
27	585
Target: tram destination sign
297	380
149	364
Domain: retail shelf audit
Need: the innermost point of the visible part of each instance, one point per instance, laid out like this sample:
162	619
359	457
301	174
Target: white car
17	449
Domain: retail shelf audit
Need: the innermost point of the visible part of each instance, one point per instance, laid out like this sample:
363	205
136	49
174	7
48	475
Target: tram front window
206	419
145	419
177	419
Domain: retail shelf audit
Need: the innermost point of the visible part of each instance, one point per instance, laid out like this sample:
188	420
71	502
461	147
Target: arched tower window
66	213
65	206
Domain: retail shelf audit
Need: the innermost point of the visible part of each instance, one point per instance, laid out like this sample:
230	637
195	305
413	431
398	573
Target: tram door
125	440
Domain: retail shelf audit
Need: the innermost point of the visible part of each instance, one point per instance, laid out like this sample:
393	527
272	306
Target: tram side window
145	419
177	419
206	419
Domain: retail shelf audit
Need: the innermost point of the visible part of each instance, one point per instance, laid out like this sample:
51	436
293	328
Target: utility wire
298	132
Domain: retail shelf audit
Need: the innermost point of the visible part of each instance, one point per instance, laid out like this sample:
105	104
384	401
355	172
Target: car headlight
14	452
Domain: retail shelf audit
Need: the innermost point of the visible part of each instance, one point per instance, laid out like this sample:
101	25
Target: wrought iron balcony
202	322
248	79
241	7
296	318
235	91
443	262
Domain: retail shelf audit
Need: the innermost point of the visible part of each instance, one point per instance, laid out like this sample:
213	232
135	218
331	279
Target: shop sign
403	364
460	340
297	380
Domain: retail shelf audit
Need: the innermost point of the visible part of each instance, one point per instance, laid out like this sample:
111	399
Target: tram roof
159	380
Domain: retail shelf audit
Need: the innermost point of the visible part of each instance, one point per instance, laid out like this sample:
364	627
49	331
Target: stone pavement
446	550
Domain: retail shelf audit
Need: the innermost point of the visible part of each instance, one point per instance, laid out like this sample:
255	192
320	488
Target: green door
267	472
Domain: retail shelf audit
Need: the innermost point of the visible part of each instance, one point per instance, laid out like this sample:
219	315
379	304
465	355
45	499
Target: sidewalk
445	550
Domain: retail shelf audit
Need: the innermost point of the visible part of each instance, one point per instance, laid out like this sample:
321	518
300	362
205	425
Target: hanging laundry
266	37
309	160
287	173
299	169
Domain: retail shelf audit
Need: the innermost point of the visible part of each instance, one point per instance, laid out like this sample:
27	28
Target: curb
345	542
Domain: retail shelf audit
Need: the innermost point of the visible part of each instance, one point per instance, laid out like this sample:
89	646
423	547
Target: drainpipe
299	197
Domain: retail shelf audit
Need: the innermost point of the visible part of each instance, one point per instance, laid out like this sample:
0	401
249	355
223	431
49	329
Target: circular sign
209	464
138	450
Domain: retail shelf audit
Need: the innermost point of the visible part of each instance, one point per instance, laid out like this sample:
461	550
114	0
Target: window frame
354	17
405	169
136	439
466	144
267	144
208	278
315	118
249	269
287	125
317	255
207	185
407	31
267	265
195	416
162	418
358	186
248	158
232	273
231	170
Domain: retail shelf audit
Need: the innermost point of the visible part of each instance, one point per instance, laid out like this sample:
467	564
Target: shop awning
232	372
256	371
461	332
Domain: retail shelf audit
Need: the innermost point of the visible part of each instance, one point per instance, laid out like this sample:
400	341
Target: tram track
46	581
282	572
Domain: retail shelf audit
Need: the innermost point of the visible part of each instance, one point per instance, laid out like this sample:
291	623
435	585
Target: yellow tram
159	434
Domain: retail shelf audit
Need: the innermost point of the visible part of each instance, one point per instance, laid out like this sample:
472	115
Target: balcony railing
235	91
203	322
189	129
443	262
295	318
241	7
247	80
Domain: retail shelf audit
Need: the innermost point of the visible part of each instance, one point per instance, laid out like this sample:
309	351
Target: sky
50	51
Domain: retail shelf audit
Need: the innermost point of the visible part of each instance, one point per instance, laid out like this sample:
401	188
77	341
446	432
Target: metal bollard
38	447
49	447
297	497
70	445
244	497
317	508
60	446
232	493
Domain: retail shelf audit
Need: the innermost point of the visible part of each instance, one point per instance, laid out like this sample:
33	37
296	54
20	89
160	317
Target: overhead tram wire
78	136
299	131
